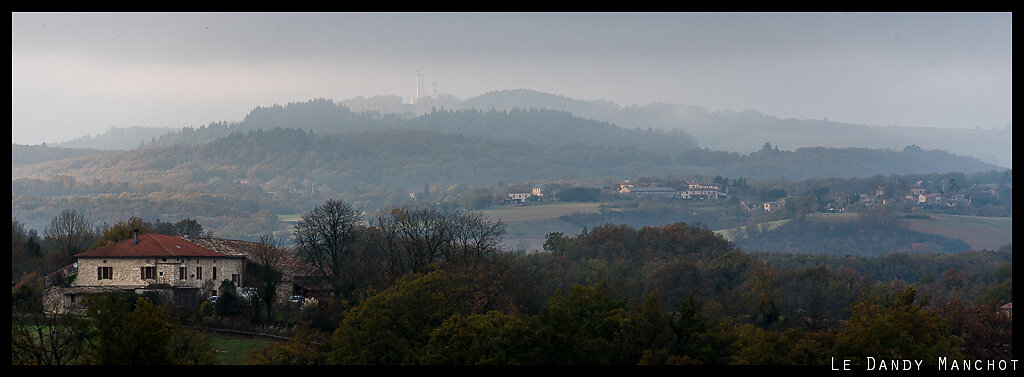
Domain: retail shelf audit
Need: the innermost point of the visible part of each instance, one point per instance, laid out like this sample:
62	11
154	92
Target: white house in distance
695	189
519	197
538	190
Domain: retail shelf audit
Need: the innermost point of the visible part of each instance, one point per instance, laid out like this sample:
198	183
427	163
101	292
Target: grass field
987	233
979	233
289	218
732	234
538	212
232	350
526	226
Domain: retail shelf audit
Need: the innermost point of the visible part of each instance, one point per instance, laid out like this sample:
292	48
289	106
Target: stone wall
127	272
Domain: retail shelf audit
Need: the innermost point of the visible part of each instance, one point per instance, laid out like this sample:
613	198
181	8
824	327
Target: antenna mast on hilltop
419	86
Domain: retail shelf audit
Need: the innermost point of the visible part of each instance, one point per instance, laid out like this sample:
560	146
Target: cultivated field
732	234
527	226
538	212
987	233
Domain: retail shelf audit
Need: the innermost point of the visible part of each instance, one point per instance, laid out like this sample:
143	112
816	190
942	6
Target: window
103	273
148	273
182	273
199	273
235	279
214	273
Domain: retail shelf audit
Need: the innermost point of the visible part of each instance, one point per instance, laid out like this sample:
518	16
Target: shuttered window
103	273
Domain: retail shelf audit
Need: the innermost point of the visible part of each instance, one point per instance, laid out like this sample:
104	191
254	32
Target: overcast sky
81	73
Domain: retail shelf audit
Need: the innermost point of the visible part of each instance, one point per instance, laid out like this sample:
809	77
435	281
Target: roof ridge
158	243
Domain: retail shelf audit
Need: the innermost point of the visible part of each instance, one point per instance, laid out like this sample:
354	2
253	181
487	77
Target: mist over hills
669	127
118	138
543	126
320	148
299	159
747	131
505	136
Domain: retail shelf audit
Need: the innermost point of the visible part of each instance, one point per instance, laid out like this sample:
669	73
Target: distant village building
955	198
774	205
929	199
519	197
694	189
538	190
917	190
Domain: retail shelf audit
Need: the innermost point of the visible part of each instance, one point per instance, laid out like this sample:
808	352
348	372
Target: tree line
419	285
71	232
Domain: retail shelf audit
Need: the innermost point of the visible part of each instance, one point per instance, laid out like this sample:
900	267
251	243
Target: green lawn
232	350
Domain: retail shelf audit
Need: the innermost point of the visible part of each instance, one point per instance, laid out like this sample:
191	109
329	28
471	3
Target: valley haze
77	74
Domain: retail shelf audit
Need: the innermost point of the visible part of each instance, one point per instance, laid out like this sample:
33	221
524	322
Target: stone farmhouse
298	277
184	270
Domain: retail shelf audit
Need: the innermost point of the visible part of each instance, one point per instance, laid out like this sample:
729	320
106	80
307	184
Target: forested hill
22	155
520	114
745	131
531	125
291	158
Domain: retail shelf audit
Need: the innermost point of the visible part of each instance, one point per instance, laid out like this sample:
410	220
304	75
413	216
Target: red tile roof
152	245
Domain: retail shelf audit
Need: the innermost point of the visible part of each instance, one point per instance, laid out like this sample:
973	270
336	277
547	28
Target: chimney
135	236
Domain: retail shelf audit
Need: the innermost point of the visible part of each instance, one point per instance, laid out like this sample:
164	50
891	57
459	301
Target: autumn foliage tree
895	324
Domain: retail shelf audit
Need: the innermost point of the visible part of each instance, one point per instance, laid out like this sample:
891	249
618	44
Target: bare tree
414	238
473	236
325	236
268	272
41	339
38	338
69	233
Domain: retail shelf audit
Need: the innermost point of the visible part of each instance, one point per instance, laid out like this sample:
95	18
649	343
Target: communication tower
419	86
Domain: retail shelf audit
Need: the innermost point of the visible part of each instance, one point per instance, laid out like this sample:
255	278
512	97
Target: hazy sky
81	73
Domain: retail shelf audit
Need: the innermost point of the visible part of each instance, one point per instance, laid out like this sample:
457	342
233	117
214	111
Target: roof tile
151	245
